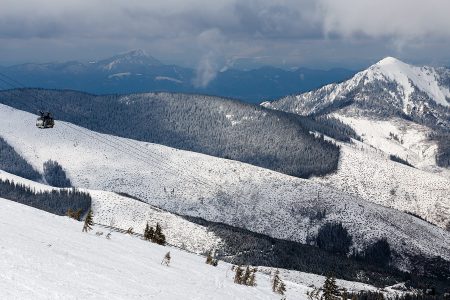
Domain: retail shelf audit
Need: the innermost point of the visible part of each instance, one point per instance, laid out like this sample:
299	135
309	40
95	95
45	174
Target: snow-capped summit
389	87
388	60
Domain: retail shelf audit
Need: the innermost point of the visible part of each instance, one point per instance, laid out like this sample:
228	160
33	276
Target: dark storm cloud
213	35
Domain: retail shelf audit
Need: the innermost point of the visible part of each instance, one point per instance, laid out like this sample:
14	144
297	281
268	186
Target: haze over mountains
136	71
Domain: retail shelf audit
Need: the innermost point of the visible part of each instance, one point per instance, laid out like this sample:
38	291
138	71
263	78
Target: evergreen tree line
209	125
331	291
244	247
55	175
12	162
154	235
443	151
400	160
334	238
56	201
326	125
245	276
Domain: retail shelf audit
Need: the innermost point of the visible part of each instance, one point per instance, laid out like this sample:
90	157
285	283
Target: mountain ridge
136	71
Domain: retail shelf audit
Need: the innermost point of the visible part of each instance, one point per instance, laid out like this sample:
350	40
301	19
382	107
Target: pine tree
148	232
278	285
159	237
275	281
330	289
151	233
88	222
315	294
252	278
246	275
238	275
166	259
209	258
281	288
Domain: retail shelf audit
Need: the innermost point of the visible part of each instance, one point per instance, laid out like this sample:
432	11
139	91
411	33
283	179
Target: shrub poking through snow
74	214
166	259
210	260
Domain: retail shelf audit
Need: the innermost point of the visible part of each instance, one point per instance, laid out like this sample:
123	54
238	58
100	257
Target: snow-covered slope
395	108
44	256
122	212
369	174
390	83
233	193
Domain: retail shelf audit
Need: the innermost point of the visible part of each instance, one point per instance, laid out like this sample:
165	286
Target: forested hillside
12	162
210	125
56	201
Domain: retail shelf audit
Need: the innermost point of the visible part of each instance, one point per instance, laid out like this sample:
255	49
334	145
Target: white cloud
403	19
208	34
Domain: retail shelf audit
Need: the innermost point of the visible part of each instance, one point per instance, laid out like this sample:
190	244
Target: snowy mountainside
48	257
206	124
122	212
237	194
37	245
374	177
397	109
387	87
136	71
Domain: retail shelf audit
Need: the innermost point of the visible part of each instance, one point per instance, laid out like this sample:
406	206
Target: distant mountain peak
136	52
128	60
388	87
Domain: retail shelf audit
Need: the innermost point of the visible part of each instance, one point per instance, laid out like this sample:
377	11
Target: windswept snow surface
43	256
234	193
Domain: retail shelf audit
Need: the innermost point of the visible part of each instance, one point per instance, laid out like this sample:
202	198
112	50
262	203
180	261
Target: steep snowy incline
388	87
44	256
236	194
122	212
410	77
376	178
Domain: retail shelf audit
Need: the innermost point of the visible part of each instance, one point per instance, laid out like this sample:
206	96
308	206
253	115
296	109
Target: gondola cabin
45	120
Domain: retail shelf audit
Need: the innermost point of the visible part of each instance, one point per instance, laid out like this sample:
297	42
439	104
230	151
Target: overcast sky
217	34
